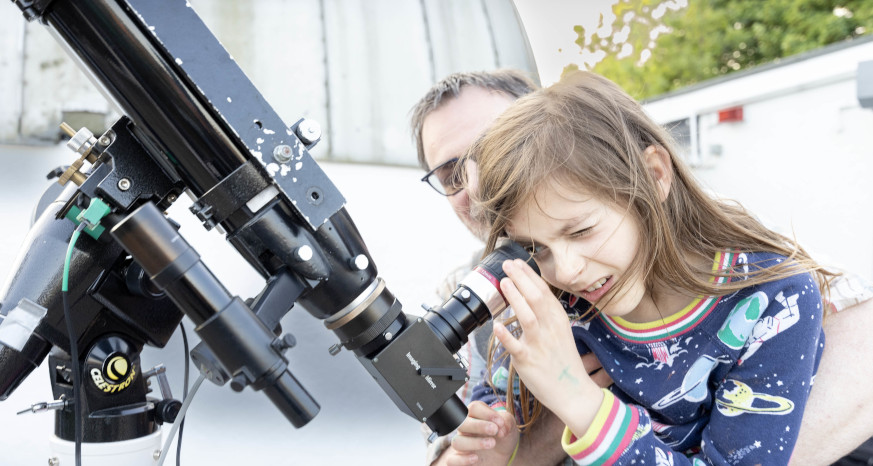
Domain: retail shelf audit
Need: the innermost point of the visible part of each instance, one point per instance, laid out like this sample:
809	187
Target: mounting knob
167	410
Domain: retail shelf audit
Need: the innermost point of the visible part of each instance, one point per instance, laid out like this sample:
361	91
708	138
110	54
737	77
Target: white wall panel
377	67
52	83
354	66
460	35
11	50
512	47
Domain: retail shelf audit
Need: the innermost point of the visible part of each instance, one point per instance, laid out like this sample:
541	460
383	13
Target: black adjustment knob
139	283
57	172
167	410
238	382
285	342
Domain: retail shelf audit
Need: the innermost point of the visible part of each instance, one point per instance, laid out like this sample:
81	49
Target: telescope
104	271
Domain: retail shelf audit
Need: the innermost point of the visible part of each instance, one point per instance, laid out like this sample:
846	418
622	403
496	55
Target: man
839	414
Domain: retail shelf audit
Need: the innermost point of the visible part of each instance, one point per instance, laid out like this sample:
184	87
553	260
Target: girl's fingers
512	345
459	459
508	421
529	284
479	410
534	277
524	313
535	291
472	426
469	444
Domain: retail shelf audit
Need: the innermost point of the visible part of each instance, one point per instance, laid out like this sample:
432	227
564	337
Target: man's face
451	129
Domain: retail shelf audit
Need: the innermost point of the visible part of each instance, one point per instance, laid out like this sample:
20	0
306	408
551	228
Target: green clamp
95	212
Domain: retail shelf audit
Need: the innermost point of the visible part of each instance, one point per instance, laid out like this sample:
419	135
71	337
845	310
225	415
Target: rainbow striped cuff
499	406
608	436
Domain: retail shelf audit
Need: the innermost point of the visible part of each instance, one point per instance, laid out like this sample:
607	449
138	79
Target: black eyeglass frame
431	179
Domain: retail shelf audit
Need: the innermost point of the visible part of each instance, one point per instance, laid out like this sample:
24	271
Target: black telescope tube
168	258
111	46
237	337
477	298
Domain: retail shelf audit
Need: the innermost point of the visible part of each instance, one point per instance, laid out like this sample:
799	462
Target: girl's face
584	247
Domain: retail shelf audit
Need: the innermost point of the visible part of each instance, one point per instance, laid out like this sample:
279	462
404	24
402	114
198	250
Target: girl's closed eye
535	249
581	233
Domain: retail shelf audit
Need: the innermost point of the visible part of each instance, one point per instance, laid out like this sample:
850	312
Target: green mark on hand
566	375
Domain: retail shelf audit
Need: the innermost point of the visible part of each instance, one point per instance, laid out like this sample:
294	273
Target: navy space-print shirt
722	381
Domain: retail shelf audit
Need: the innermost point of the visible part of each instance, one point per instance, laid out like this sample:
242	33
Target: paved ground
358	424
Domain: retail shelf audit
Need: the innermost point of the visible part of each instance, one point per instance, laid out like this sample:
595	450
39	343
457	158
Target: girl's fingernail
488	443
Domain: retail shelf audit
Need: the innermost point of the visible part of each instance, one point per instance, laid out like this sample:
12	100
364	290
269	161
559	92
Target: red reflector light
730	114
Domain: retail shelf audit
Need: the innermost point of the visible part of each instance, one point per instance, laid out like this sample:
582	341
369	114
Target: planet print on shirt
737	398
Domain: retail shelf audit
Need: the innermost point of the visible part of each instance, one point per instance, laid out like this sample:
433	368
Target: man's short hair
513	83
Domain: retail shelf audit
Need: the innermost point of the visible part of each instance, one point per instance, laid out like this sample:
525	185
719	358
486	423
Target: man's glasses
445	178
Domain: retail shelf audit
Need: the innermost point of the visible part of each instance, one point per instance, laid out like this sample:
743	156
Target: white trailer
791	141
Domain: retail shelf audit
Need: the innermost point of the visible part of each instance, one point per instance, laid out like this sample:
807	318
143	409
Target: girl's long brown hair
585	132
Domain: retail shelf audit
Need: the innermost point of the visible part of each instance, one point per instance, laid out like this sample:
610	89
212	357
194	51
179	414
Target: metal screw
105	140
389	335
54	461
465	294
361	262
172	197
308	131
304	253
156	455
283	153
375	359
124	184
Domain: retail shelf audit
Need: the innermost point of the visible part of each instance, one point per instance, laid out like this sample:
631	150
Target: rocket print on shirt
693	388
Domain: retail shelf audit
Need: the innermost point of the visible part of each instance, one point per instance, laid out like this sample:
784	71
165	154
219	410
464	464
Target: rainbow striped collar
678	323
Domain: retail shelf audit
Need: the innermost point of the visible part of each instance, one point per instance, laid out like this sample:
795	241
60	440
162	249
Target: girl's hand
487	437
545	354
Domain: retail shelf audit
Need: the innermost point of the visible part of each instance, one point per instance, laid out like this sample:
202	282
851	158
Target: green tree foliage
649	54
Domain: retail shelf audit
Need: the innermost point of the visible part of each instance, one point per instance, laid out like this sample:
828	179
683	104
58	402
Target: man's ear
661	168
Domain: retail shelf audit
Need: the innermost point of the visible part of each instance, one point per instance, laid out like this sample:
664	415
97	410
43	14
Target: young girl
708	323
